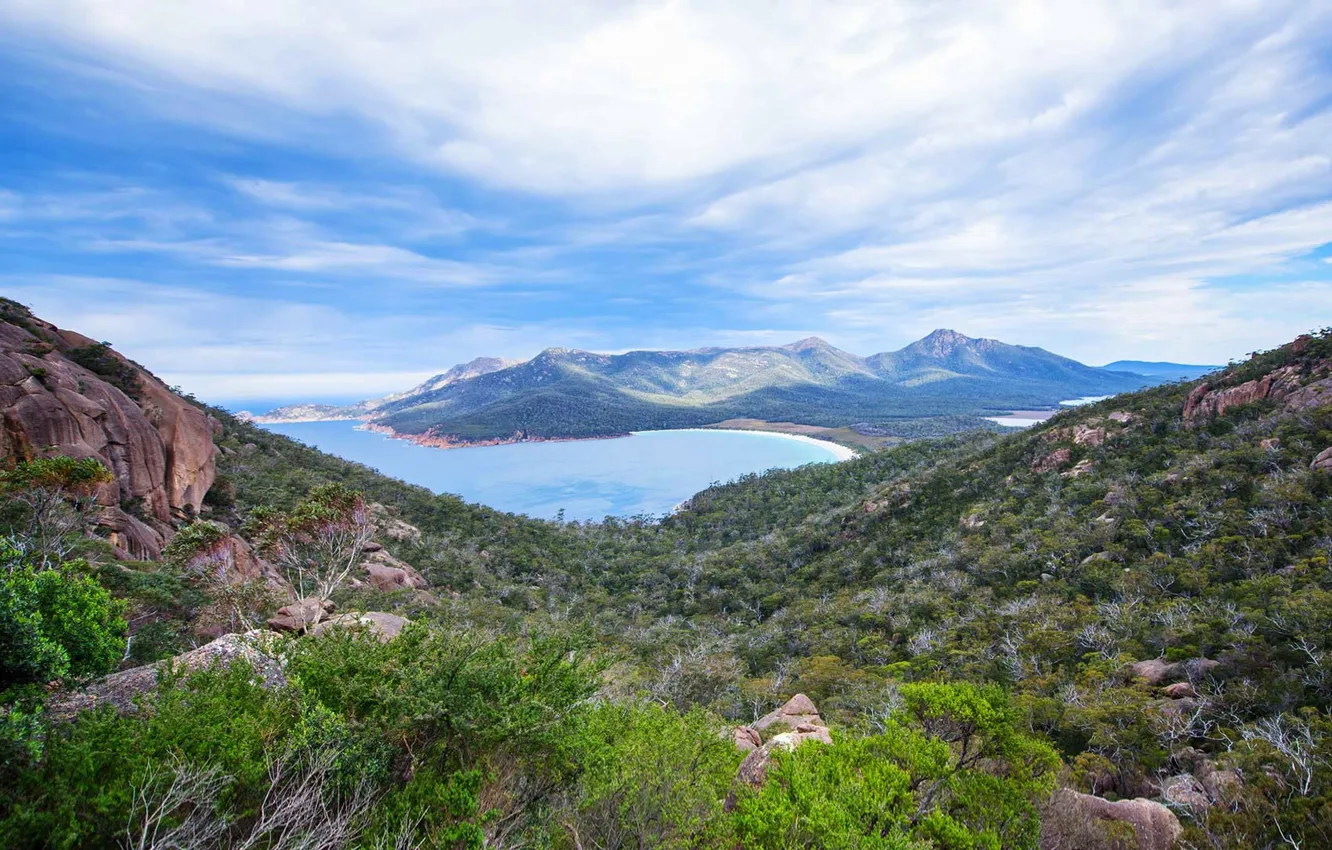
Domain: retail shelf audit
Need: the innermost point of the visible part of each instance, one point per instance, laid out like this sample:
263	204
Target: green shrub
56	623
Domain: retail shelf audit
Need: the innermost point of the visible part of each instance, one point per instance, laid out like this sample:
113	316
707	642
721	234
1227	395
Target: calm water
647	473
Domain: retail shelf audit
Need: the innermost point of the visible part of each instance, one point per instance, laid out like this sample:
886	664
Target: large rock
753	770
122	690
387	573
299	616
1158	671
746	738
383	626
1323	461
798	710
1154	825
159	447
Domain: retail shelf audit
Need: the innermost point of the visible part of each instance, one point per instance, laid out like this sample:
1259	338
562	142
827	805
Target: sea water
645	473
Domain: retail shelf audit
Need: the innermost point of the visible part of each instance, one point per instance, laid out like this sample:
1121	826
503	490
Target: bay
645	473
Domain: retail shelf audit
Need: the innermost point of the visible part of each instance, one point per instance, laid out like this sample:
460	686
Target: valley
1124	610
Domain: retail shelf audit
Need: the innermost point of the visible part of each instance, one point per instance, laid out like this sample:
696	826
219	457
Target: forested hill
569	393
1004	634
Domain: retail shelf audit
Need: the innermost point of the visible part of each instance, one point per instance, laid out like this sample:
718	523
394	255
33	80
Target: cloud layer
1105	179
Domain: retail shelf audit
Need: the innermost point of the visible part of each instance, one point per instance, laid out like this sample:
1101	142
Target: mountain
63	393
1112	630
1160	369
366	409
564	393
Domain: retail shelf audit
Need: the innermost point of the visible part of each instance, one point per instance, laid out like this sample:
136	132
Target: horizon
297	203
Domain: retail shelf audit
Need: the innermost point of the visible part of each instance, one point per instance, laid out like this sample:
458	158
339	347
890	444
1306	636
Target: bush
56	623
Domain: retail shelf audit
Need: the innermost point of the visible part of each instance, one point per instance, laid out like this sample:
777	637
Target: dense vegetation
964	611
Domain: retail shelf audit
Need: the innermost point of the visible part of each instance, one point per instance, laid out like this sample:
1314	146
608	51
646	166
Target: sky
291	199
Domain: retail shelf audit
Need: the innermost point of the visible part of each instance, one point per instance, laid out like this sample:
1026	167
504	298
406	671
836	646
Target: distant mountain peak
807	343
943	342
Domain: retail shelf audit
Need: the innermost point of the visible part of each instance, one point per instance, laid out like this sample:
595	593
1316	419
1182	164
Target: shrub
56	623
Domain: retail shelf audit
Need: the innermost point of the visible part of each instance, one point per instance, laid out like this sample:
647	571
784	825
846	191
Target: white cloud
597	96
224	346
1077	175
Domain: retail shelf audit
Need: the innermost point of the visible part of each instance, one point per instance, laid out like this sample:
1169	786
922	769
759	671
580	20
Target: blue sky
293	199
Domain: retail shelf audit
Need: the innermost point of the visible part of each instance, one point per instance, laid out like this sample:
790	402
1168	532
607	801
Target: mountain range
1159	369
567	393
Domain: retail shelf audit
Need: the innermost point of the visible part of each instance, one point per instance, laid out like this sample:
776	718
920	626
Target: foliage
53	497
317	543
99	359
54	622
951	771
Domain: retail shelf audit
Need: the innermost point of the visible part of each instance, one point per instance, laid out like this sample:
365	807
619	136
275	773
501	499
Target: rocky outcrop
392	527
1052	461
158	446
1157	671
1322	462
799	710
384	627
1086	435
385	572
123	690
1154	825
299	616
1289	385
795	723
1079	469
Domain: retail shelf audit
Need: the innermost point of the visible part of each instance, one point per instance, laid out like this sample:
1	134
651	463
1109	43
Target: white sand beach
838	451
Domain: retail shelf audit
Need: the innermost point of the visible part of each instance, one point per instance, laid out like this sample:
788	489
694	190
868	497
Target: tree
56	494
317	544
54	622
206	552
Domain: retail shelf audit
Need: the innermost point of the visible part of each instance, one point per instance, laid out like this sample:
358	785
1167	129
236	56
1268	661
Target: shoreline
839	452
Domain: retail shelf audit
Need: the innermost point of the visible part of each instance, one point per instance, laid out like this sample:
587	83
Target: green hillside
1131	600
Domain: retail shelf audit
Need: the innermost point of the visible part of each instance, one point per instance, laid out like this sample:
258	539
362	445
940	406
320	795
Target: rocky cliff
63	393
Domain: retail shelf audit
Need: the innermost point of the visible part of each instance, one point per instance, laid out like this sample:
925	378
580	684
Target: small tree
54	623
317	544
56	495
206	552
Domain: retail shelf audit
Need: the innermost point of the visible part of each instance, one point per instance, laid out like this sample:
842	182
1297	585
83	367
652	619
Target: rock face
121	690
158	446
1287	385
1155	826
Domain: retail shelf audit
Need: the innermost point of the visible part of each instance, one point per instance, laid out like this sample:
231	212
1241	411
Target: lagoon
645	473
